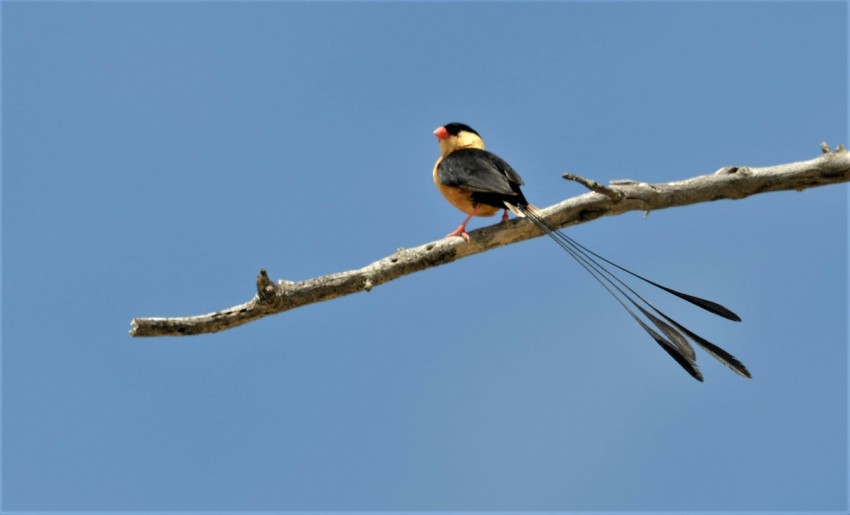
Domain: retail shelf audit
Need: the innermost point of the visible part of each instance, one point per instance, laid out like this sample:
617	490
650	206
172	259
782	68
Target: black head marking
455	128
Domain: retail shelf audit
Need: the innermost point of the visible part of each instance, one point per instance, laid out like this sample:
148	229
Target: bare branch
731	182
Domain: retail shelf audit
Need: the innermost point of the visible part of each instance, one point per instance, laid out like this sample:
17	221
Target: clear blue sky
157	155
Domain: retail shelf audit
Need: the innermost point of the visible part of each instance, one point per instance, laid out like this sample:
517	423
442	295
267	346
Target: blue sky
156	155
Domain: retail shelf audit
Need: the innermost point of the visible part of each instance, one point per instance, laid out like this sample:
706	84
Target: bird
480	183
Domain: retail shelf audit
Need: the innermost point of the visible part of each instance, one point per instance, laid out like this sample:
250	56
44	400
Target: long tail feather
671	348
676	344
705	304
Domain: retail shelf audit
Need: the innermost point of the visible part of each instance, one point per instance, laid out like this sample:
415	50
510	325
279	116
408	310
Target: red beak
441	133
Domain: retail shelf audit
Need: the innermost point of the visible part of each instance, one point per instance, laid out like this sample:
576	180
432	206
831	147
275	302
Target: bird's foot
505	216
460	231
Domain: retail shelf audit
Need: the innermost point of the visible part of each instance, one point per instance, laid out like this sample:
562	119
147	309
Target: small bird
480	183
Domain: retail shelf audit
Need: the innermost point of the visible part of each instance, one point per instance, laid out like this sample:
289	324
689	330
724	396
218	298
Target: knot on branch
266	289
732	170
824	147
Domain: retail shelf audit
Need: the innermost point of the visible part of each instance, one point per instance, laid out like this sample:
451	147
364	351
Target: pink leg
505	216
461	230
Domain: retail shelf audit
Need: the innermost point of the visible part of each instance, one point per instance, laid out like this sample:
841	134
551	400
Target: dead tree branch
731	182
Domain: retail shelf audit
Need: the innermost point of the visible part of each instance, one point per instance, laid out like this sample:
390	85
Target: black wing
478	170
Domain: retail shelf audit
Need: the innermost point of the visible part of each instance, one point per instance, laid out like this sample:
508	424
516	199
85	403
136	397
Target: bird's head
453	136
